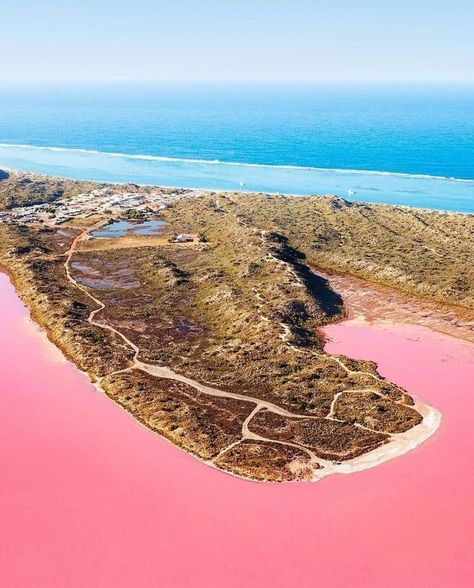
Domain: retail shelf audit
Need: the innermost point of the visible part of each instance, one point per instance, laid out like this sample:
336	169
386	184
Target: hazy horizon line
237	81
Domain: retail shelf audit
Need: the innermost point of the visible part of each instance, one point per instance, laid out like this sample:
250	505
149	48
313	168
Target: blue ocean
398	144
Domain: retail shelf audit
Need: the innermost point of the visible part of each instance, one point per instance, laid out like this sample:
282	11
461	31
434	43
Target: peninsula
199	312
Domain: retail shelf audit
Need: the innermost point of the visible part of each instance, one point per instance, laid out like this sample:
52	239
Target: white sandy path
399	443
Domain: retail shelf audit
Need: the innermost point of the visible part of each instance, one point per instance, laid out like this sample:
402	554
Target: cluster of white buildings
100	201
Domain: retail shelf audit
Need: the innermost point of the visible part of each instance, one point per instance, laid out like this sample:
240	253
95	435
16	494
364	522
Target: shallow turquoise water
420	191
299	139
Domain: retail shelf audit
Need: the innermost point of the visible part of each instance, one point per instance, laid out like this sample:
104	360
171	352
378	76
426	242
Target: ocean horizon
391	143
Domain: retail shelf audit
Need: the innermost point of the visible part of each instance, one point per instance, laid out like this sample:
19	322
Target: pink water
90	498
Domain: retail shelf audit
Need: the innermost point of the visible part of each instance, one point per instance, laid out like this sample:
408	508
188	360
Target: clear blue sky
237	40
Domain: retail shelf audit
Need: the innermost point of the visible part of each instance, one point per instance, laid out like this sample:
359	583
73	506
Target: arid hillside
424	252
21	189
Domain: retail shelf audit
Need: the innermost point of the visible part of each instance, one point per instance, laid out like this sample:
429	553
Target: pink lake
88	497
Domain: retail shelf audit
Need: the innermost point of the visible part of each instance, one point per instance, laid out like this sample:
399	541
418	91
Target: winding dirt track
399	442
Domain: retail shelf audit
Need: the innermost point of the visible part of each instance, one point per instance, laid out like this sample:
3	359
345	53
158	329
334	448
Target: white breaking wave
165	159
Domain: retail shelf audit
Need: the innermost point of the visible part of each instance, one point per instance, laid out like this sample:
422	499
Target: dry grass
241	313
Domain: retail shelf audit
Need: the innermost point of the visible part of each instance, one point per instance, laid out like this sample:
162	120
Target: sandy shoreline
398	445
91	502
197	190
